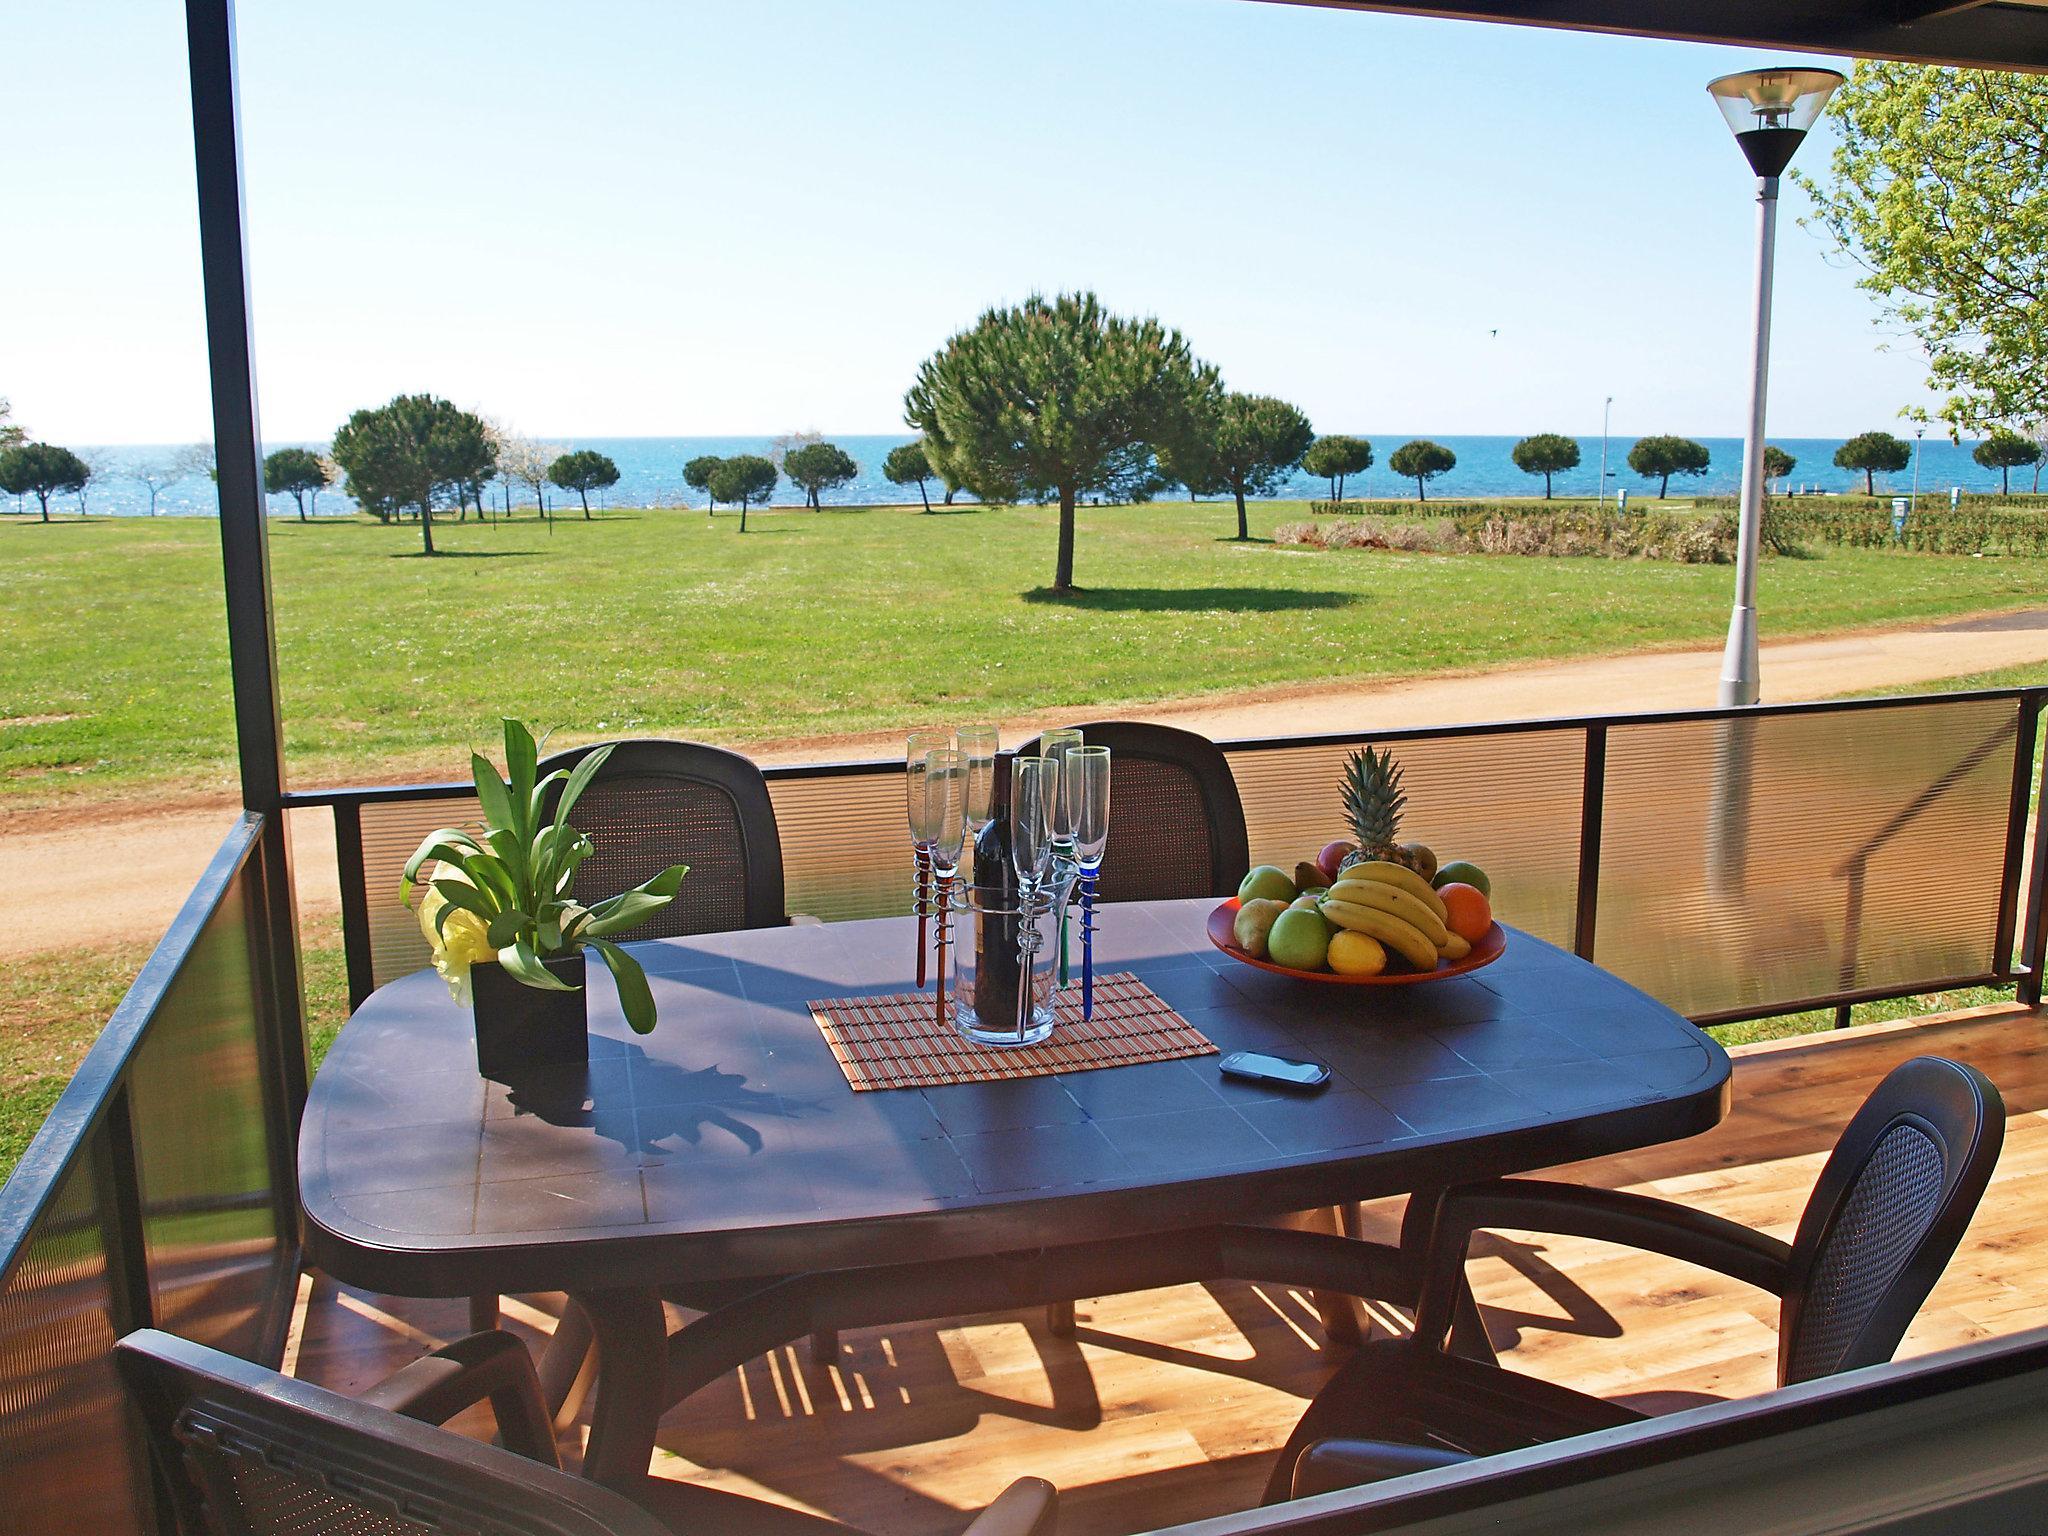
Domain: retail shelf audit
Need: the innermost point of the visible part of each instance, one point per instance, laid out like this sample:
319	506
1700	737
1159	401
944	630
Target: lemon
1356	954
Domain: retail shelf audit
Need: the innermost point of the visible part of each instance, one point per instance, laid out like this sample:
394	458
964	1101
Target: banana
1401	877
1398	934
1456	947
1391	898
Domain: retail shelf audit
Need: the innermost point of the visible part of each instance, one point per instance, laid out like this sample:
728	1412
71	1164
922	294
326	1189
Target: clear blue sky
611	217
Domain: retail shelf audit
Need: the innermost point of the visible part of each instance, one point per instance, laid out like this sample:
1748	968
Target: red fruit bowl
1222	933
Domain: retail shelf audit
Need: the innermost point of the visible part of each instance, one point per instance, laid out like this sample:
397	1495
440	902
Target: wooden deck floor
1168	1404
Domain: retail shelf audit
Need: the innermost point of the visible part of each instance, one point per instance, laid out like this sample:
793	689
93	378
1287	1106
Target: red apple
1333	856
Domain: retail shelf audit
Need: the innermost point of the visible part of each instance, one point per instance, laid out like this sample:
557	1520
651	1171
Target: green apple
1266	882
1464	872
1254	921
1300	941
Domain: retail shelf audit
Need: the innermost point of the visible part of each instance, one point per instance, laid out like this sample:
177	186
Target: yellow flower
460	942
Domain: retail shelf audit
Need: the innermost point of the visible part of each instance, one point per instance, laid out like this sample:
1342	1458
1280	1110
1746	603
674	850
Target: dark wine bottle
995	921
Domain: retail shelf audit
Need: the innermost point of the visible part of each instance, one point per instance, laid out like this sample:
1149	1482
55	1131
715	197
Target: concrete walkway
143	862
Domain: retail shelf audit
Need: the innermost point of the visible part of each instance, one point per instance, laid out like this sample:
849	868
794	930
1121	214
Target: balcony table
728	1145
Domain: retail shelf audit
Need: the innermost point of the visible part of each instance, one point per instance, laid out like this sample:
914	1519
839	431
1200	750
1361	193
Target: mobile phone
1256	1067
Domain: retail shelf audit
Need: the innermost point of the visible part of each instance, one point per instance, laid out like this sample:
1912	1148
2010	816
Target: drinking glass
1086	772
1060	808
978	745
1034	785
917	753
945	785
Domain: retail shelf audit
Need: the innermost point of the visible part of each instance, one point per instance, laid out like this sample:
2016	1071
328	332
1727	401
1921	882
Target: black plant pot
519	1028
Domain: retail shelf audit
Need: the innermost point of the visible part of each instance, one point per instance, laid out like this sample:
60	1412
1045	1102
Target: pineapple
1372	805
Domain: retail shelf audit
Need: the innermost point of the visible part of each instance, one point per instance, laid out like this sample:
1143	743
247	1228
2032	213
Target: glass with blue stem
1085	776
1055	745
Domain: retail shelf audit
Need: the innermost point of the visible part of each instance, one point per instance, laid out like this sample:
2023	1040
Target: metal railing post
1592	818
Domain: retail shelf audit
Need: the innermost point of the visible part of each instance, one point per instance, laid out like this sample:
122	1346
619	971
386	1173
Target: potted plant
508	937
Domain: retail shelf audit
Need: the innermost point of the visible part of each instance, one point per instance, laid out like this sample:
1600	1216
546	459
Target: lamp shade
1769	111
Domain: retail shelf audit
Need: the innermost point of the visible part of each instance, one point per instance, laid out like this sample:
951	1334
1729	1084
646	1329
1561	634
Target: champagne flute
945	801
1087	776
1034	783
1055	745
978	745
916	753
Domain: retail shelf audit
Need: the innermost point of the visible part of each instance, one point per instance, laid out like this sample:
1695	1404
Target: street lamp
1606	412
1769	111
1918	434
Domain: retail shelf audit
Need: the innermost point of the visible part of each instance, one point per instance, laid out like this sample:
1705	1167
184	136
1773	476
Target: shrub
1493	530
1970	530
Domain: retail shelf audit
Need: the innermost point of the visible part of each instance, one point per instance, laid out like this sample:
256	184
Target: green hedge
1482	529
1979	530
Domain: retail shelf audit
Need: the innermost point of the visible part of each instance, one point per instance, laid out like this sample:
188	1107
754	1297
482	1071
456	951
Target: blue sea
651	474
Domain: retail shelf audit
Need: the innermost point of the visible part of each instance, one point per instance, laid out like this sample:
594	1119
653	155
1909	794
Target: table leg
1468	1329
1341	1315
632	1353
568	1364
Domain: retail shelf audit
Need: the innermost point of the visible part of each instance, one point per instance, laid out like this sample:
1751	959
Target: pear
1255	920
1308	875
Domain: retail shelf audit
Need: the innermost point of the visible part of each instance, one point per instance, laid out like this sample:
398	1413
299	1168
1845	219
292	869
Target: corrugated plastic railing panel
391	831
1731	850
63	1425
845	845
1508	801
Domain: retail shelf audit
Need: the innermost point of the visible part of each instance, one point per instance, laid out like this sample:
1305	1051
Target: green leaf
579	780
524	965
506	928
629	908
460	894
449	844
539	798
490	790
634	994
521	755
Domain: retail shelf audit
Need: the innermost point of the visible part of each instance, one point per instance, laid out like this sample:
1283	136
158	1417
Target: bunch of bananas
1393	904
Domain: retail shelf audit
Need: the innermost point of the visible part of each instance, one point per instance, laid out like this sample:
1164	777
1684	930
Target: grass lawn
810	624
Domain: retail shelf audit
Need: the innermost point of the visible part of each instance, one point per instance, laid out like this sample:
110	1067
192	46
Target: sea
651	474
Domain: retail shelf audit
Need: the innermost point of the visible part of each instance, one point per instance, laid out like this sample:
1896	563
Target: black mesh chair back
657	803
1886	1215
244	1451
1176	824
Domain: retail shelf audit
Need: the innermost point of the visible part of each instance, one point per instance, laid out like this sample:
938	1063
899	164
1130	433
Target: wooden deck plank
1168	1405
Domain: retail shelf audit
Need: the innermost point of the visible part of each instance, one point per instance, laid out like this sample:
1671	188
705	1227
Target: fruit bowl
1222	933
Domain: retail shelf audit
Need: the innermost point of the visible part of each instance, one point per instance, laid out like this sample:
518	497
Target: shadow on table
672	1100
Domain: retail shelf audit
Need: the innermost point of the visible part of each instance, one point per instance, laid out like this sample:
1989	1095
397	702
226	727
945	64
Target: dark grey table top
728	1144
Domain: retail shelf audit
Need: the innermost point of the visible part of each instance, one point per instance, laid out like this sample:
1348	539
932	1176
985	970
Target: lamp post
1769	111
1606	412
1918	434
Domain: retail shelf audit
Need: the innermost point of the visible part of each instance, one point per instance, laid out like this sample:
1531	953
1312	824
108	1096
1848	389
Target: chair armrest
493	1365
1028	1507
1577	1210
1331	1464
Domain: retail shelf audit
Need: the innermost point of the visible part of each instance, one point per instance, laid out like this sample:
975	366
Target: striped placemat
896	1042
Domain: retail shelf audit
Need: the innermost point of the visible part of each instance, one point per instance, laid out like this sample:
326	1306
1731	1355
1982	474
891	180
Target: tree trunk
1421	490
1339	507
743	514
1546	485
43	500
1063	566
427	527
585	495
2005	479
924	496
1244	530
298	496
1869	482
1664	489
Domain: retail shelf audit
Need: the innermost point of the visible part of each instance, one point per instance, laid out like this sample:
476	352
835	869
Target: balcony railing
1734	863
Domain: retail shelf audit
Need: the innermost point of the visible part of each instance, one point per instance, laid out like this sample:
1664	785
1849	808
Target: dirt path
129	877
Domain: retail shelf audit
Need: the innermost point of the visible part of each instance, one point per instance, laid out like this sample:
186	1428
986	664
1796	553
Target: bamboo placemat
897	1042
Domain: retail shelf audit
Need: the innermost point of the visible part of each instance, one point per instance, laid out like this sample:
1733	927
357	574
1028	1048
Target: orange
1468	913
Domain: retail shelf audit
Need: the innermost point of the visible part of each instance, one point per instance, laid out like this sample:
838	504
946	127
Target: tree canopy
44	470
1247	445
290	471
1938	187
816	467
907	462
698	474
1336	459
12	434
744	478
1778	465
1872	452
1422	461
583	471
1546	454
406	453
1058	398
1659	458
2005	450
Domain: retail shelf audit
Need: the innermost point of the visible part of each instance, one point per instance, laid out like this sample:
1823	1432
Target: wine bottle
995	908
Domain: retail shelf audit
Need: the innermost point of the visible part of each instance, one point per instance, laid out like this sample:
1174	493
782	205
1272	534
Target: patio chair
1884	1218
657	803
244	1451
1176	824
